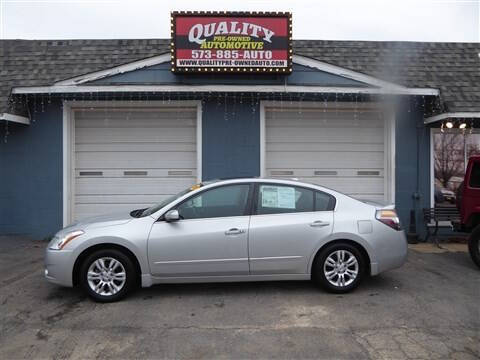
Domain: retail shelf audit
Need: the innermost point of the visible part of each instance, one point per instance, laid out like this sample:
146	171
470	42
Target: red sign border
244	70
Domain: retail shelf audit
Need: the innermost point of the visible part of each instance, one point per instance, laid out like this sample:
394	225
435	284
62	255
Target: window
451	150
223	201
324	202
475	176
278	199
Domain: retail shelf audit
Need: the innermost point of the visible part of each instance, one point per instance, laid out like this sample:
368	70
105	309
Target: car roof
292	181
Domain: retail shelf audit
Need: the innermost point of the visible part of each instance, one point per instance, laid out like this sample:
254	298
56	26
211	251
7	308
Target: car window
324	202
230	200
279	199
475	176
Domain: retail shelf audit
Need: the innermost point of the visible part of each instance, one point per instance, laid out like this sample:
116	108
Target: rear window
475	176
324	202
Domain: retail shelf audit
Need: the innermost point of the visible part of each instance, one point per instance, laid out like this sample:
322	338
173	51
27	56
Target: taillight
389	217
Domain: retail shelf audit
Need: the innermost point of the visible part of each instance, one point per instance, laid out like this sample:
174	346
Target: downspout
412	234
417	196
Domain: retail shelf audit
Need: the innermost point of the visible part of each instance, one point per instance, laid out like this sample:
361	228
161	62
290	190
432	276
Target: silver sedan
231	230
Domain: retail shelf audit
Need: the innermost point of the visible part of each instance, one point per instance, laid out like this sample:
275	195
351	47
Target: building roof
453	68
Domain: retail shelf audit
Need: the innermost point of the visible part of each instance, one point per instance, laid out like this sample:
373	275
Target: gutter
452	115
71	89
15	118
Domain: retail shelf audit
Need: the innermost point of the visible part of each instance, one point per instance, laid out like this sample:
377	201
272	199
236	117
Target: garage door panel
120	112
323	172
328	147
136	147
371	197
121	199
361	135
83	211
328	122
128	159
131	186
112	135
171	173
349	185
122	118
341	150
325	159
327	113
125	160
157	123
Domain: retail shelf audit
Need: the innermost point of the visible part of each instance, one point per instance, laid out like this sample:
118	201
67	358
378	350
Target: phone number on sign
231	54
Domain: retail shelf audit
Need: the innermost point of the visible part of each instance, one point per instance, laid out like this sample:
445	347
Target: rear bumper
59	267
392	254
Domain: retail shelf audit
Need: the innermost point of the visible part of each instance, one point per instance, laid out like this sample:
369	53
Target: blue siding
231	139
161	74
31	175
31	161
412	165
31	190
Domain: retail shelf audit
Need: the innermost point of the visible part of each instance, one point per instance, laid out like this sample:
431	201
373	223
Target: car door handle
319	223
234	231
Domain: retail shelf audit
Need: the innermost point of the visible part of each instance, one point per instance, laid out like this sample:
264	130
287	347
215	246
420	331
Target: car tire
329	268
474	245
107	275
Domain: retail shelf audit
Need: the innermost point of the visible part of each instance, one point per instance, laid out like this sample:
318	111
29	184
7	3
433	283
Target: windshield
153	209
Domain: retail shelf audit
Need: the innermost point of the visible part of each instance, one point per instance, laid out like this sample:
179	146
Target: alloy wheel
341	268
106	276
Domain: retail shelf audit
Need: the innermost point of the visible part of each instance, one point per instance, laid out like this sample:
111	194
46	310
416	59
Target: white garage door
340	149
130	159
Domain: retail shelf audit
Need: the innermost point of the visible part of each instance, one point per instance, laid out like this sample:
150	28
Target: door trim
292	257
198	261
68	141
150	280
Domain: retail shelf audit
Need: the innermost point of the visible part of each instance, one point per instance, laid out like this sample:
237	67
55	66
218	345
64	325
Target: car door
211	237
287	224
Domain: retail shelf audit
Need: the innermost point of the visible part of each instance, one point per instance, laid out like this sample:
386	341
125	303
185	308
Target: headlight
58	243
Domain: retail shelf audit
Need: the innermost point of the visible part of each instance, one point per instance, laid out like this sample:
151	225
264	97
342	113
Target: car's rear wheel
474	245
107	275
339	268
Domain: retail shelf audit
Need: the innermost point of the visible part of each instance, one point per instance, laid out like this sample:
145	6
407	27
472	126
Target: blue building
95	126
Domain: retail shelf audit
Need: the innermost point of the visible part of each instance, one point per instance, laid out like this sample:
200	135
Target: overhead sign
231	42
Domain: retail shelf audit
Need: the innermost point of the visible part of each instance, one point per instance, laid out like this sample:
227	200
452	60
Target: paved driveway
427	309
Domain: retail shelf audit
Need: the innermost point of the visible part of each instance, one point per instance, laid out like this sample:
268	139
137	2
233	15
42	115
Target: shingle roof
454	68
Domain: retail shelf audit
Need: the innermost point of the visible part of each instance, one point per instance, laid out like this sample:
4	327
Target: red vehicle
468	203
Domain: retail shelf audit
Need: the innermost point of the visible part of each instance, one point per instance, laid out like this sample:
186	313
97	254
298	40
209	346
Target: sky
381	20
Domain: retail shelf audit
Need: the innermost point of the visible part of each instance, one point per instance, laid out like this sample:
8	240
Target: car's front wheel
339	268
107	275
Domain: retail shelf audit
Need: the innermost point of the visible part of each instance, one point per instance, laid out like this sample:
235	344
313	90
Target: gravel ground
428	309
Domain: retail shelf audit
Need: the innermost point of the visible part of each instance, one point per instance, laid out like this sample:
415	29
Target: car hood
100	221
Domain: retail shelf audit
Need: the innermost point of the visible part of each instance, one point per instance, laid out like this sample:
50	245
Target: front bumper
59	267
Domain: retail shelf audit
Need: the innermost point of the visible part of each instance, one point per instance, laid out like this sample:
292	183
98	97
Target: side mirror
172	215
